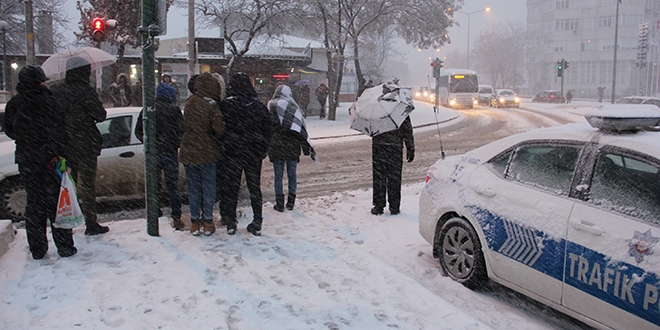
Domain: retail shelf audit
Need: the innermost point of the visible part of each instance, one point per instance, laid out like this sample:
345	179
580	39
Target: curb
7	234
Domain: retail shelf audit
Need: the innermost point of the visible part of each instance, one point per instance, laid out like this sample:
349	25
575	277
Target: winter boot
195	227
209	227
96	229
291	200
279	203
254	229
177	224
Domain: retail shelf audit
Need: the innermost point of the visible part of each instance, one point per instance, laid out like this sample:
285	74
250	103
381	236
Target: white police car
569	216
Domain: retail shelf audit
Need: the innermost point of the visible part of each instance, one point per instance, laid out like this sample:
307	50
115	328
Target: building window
562	4
606	21
567	24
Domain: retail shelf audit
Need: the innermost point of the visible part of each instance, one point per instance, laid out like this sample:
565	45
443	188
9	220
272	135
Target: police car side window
628	185
545	166
499	162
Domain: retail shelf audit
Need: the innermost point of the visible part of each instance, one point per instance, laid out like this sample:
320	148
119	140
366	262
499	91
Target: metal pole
563	67
192	54
29	29
616	37
468	43
149	115
4	58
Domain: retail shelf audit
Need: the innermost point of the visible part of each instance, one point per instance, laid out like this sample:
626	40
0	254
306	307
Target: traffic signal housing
560	68
437	65
98	29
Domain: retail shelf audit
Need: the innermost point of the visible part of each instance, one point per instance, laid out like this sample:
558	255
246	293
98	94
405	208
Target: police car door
524	215
612	273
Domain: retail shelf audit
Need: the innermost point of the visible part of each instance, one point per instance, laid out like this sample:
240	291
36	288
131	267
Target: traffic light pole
148	31
563	100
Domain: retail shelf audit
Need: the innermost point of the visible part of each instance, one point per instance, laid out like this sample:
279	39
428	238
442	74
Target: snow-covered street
328	264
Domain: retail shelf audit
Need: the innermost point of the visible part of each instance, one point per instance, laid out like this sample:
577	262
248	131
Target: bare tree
128	14
499	53
242	21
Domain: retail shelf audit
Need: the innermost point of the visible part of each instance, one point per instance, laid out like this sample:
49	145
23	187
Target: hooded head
206	85
167	78
221	81
191	83
240	84
166	92
77	70
283	92
31	75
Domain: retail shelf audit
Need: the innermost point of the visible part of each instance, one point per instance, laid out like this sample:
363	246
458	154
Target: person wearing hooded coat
120	91
83	110
202	123
286	144
35	122
169	129
249	130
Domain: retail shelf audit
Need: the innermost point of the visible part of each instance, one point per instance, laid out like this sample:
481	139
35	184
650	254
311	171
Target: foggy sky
502	11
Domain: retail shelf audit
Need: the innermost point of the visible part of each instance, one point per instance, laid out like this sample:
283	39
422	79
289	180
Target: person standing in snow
289	138
387	157
169	129
249	129
120	91
83	110
202	122
303	100
321	93
34	121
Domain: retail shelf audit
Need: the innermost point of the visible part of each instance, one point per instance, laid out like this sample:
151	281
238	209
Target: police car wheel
12	199
460	254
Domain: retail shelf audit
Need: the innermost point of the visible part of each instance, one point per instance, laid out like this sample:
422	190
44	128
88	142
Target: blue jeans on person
168	164
201	189
278	167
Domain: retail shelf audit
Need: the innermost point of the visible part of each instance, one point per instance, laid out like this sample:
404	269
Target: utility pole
29	30
149	30
616	38
192	51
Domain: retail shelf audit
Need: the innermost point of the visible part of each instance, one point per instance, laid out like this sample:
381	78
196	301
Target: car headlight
418	94
475	101
501	100
517	100
452	102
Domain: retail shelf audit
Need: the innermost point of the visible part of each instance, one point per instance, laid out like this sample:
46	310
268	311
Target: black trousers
42	187
386	170
235	166
83	170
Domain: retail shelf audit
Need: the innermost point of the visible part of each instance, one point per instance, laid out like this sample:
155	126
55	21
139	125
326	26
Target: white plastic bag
69	214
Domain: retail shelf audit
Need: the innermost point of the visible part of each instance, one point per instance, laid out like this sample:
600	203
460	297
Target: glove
410	155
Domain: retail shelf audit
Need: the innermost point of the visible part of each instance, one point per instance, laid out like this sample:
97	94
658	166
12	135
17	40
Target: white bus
458	88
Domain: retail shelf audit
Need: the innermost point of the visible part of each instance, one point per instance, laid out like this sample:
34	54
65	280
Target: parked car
505	98
640	100
120	169
486	94
569	216
548	96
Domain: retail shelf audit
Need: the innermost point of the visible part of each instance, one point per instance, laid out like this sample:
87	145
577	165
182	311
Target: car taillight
427	178
552	96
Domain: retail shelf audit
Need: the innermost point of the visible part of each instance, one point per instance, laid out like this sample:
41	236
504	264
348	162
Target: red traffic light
98	29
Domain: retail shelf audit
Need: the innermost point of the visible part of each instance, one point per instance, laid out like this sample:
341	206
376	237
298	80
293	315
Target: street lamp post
3	27
487	9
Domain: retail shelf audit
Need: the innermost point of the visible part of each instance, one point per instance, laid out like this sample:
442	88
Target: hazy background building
582	32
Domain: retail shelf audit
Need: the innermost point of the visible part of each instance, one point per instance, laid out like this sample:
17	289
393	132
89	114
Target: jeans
168	164
278	166
201	187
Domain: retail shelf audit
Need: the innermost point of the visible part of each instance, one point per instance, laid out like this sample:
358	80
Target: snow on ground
329	264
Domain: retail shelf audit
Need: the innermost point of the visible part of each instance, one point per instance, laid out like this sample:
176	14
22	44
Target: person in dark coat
202	124
286	144
167	78
169	129
321	93
387	157
35	122
249	129
303	99
569	97
83	110
136	93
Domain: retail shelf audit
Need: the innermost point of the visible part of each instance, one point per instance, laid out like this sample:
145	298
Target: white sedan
569	216
120	169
